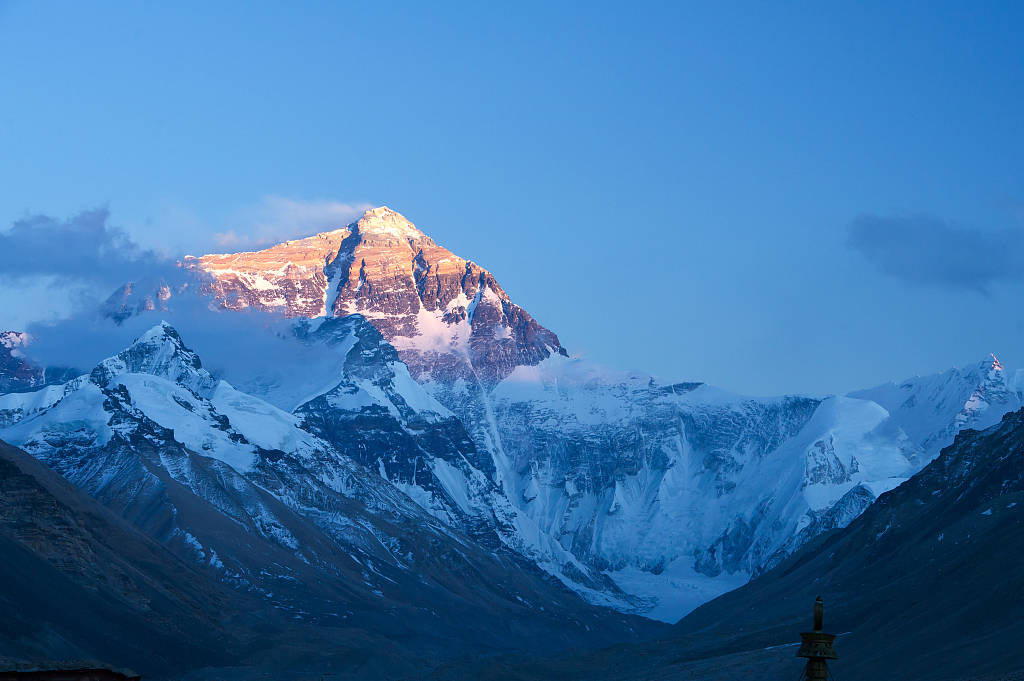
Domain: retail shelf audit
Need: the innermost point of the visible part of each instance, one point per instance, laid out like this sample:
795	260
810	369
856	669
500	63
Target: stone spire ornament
817	647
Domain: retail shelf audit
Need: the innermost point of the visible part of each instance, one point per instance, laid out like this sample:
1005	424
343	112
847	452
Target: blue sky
809	197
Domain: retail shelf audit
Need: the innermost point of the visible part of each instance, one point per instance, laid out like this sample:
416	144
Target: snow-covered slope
157	393
239	488
373	412
676	493
933	409
681	492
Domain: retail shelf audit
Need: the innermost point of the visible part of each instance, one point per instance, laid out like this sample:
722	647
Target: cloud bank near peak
50	266
83	248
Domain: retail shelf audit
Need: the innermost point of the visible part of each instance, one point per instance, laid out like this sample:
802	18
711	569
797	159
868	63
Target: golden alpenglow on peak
383	220
422	297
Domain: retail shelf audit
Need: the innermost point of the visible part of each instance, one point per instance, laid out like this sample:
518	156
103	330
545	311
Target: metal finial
819	614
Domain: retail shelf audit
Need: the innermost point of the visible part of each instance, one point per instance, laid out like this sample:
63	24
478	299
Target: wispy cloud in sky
232	344
927	250
277	218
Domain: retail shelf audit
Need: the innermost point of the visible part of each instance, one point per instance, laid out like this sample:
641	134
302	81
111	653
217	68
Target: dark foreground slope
79	586
929	581
928	584
77	582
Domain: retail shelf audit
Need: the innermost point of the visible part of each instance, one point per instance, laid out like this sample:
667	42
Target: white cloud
50	267
278	218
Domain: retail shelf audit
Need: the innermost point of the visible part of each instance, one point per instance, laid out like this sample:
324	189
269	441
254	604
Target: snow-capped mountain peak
447	316
384	221
159	352
996	364
932	409
992	392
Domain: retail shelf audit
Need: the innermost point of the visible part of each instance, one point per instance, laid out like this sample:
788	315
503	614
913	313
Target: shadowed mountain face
926	582
925	585
80	586
80	583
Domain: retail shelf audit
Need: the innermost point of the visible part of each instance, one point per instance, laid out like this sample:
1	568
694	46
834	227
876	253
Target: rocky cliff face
288	277
447	316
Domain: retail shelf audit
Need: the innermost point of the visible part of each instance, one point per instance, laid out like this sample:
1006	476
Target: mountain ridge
640	495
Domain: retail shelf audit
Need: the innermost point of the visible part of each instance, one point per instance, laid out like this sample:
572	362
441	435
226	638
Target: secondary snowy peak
933	409
992	393
158	352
